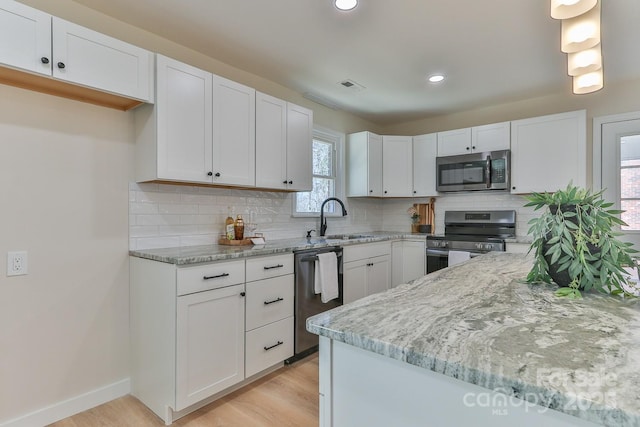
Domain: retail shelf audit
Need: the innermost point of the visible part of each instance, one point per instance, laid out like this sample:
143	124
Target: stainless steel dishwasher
307	303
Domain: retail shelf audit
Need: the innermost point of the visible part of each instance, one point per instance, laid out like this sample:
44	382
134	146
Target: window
326	183
630	181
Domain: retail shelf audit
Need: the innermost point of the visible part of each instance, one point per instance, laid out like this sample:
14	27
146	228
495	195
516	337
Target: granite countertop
479	323
209	253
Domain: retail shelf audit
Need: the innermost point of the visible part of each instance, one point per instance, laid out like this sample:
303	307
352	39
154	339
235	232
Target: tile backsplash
164	215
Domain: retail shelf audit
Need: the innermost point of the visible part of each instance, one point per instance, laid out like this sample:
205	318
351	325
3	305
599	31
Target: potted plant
575	244
415	218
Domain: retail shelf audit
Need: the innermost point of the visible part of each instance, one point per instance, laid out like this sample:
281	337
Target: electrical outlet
17	263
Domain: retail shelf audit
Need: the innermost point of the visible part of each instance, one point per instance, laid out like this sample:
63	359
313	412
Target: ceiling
491	51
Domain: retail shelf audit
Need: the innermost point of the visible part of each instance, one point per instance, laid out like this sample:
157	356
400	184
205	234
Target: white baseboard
66	408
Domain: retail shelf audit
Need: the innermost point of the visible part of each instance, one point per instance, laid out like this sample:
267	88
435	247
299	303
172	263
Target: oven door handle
487	171
438	252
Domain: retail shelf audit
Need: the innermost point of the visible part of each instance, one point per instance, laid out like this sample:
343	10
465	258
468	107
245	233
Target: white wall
64	173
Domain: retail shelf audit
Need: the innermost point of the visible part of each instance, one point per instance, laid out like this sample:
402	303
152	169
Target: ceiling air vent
351	85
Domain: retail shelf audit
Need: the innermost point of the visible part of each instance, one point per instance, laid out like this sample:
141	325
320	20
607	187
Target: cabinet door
453	142
425	150
354	280
413	260
299	146
378	274
184	121
374	166
95	60
397	166
25	38
493	137
548	152
210	343
271	142
234	136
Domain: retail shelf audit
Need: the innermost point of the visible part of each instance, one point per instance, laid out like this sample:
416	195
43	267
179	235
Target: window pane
311	201
630	180
322	158
631	214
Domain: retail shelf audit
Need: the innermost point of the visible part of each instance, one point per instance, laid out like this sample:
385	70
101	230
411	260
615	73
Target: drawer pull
216	277
275	300
273	266
273	346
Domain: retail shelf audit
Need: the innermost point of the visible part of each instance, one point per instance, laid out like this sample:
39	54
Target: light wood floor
287	397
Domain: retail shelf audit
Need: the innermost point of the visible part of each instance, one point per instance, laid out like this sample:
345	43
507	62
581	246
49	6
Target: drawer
271	266
364	251
269	300
209	276
268	345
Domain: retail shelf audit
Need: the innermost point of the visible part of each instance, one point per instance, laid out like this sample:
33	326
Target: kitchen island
473	345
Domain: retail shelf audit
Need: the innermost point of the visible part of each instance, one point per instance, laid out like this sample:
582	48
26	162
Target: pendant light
346	4
587	83
581	32
566	9
584	61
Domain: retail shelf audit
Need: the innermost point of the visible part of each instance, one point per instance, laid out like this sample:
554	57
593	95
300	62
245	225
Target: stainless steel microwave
474	171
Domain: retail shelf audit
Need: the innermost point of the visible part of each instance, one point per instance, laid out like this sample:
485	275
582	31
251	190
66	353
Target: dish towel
457	257
326	276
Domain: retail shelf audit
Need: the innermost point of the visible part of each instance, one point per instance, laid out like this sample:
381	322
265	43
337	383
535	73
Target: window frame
337	139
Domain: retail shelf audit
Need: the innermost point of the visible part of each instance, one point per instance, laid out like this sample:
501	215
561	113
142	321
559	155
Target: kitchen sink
347	236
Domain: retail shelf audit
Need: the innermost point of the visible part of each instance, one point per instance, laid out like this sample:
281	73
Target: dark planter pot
562	278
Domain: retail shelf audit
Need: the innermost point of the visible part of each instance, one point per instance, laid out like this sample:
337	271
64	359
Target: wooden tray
243	242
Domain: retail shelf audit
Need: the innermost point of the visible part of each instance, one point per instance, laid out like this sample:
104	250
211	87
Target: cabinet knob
209	173
242	294
218	174
513	188
468	148
385	191
414	191
474	147
44	60
370	191
61	65
284	182
290	182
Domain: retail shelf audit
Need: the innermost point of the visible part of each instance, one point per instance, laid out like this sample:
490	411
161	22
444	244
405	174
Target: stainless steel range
476	232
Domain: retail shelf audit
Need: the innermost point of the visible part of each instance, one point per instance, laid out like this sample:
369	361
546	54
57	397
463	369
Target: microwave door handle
488	172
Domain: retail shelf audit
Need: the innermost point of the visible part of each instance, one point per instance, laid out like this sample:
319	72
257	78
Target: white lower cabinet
408	261
198	330
209	343
366	269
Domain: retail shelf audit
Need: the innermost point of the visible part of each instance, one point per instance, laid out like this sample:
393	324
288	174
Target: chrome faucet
323	220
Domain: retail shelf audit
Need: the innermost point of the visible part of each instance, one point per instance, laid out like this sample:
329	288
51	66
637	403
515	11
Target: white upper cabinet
425	150
33	41
184	122
364	165
271	142
454	142
548	152
397	166
299	146
477	139
234	133
88	58
283	144
25	37
491	137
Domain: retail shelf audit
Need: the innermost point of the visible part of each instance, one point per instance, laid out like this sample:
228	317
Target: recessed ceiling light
436	78
346	4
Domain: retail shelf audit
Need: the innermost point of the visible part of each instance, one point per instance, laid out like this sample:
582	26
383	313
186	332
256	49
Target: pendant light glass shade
566	9
587	83
585	61
346	4
581	32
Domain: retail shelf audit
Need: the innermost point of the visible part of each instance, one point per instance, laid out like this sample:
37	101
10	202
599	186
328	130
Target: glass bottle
239	228
229	230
